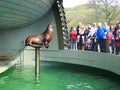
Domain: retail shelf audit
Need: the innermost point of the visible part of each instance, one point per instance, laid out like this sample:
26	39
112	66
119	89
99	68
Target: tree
110	8
95	4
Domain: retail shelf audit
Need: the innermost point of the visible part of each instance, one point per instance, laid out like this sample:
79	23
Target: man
101	37
107	28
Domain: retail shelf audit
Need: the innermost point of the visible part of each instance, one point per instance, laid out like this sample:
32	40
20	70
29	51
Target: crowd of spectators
98	37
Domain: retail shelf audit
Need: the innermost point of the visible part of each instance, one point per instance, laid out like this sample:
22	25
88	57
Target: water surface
59	76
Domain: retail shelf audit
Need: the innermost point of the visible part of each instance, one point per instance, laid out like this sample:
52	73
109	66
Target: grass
84	14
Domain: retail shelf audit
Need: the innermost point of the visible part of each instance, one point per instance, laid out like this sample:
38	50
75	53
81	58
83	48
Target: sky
73	3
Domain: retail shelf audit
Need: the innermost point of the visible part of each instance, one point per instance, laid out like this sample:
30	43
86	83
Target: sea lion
42	39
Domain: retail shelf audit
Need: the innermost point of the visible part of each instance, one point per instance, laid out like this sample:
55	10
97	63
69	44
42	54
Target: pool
59	76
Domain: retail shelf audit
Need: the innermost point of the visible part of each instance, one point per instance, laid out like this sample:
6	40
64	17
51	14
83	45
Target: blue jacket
101	33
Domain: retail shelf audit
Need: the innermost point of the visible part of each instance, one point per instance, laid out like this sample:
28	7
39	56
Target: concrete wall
93	59
12	41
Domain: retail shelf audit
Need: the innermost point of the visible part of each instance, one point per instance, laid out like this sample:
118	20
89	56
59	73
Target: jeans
112	45
74	44
103	45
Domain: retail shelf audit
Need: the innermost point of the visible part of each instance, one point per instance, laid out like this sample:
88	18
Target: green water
59	76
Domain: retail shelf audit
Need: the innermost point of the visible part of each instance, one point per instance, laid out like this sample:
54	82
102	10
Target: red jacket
73	35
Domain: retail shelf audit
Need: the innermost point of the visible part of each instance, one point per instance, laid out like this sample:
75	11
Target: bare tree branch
110	8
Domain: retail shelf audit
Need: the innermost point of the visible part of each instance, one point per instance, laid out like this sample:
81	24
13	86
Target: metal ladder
63	19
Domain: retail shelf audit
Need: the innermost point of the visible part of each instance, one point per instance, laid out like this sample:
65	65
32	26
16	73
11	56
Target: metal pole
37	62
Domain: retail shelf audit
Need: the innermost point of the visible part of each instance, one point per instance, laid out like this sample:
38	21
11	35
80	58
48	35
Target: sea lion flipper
46	44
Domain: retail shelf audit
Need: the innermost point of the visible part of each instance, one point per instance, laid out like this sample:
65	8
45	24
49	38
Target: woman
81	38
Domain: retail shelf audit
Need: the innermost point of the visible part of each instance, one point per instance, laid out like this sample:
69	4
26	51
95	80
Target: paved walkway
6	64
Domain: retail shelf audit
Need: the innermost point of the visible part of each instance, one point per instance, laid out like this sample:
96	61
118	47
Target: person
87	31
80	43
71	29
117	52
78	29
107	29
106	26
111	39
73	37
114	33
91	35
116	28
87	43
101	37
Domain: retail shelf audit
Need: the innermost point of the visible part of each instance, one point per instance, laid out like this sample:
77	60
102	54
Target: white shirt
92	31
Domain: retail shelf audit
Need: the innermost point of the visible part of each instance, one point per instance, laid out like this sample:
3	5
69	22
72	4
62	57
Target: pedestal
37	63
